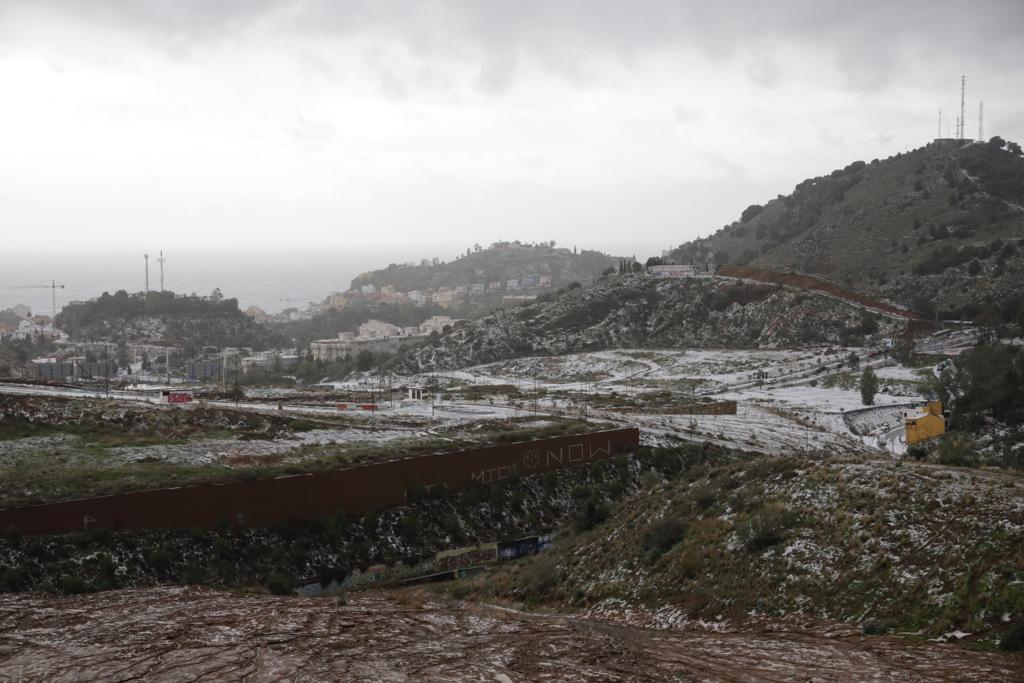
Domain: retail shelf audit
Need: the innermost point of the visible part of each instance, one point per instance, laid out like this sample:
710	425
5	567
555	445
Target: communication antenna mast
146	257
981	120
940	124
161	261
963	90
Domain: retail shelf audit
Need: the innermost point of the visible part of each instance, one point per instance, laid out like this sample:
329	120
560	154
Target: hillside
911	548
937	229
634	311
500	261
185	320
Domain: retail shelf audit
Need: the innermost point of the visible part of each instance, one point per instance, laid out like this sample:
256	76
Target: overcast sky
589	122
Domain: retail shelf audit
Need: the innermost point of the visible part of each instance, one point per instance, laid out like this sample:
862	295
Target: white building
374	335
437	324
378	328
29	329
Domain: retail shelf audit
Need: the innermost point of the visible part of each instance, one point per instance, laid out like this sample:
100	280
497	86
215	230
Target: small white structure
670	271
437	323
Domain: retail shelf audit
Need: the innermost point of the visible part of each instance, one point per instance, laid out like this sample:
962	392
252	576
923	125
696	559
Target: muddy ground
179	634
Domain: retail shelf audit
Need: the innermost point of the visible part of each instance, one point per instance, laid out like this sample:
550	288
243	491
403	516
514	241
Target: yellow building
926	426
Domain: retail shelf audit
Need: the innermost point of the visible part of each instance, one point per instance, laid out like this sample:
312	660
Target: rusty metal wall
306	496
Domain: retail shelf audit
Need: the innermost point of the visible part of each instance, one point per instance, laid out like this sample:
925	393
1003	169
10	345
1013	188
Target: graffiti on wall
354	490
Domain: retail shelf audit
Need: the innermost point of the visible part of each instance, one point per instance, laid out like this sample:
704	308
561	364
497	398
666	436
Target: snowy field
785	401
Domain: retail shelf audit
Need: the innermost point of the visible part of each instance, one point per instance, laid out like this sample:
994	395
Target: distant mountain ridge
939	229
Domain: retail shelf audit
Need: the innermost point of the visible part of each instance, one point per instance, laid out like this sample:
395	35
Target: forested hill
938	229
186	320
499	262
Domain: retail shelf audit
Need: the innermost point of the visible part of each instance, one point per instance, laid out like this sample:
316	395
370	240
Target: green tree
364	361
868	386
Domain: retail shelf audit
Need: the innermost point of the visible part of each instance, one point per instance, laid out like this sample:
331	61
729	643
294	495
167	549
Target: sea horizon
272	278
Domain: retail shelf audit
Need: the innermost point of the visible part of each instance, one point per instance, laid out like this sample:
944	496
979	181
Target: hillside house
926	426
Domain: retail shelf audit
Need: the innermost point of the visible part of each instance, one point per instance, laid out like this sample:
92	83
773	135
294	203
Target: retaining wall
353	490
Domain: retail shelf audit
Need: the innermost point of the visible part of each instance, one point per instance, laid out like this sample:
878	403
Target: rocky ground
176	634
641	312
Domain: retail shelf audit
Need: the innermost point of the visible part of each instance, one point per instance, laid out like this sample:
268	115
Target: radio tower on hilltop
161	261
146	258
963	112
981	120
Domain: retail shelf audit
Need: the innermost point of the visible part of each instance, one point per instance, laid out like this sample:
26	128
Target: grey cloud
867	40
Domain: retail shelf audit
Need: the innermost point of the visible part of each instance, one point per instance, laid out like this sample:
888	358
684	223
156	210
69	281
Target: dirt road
187	634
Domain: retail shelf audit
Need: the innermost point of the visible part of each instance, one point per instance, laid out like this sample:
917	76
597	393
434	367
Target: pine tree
868	386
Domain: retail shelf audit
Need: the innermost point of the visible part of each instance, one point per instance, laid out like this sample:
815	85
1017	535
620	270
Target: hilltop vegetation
186	320
937	229
634	311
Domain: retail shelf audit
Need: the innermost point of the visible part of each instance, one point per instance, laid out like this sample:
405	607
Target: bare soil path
188	634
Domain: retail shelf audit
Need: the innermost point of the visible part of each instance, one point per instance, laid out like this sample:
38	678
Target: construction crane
53	286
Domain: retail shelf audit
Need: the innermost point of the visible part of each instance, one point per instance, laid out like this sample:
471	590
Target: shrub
1013	639
660	537
541	576
917	452
592	513
280	584
956	449
73	585
12	579
766	528
874	627
159	559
